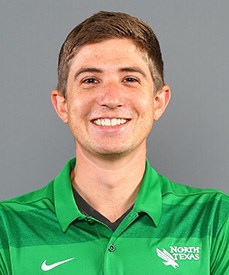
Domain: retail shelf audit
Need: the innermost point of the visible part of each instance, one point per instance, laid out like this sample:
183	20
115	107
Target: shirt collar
149	198
65	205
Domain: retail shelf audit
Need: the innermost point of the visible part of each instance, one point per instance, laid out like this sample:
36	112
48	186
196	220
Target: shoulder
24	201
20	212
210	205
170	187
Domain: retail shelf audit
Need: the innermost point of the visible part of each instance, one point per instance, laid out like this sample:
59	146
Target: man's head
111	87
107	25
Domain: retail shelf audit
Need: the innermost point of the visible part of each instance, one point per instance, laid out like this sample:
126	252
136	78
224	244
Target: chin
111	151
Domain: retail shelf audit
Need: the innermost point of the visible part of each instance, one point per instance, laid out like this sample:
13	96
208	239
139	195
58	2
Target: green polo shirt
172	229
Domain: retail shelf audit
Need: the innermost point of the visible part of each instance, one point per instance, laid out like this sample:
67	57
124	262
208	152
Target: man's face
110	103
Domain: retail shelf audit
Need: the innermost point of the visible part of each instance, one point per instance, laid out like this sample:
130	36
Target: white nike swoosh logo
46	267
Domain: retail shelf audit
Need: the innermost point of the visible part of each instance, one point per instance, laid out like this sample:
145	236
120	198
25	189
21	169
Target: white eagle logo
169	260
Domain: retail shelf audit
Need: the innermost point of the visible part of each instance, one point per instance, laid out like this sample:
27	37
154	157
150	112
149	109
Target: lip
110	122
110	117
110	128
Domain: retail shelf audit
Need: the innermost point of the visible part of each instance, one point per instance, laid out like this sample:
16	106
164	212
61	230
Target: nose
111	95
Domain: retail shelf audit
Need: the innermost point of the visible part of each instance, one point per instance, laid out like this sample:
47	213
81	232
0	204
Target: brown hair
106	25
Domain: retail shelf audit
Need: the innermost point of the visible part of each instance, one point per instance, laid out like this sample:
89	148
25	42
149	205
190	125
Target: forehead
111	52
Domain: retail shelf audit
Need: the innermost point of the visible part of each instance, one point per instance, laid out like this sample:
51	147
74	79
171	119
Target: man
109	211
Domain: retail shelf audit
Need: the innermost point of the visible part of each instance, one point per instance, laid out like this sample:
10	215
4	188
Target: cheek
146	107
77	106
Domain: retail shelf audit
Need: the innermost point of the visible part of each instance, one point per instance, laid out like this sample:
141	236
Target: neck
109	186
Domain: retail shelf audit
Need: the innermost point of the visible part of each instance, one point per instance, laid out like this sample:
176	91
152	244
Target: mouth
110	122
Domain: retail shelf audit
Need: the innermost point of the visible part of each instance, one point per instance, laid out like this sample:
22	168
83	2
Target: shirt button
112	248
90	221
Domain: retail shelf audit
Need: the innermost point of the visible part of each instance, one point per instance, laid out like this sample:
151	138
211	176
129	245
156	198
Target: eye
90	80
130	79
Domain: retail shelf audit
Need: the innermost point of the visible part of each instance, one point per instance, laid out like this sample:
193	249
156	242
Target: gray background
189	144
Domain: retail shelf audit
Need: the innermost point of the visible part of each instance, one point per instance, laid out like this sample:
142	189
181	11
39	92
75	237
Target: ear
60	105
161	101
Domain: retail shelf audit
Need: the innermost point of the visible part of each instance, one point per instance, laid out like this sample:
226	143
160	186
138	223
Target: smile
109	122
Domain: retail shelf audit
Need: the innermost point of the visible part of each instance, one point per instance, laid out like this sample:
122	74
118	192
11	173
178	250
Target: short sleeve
3	270
220	251
4	246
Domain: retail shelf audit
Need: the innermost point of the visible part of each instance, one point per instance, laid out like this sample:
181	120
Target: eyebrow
133	70
87	70
97	70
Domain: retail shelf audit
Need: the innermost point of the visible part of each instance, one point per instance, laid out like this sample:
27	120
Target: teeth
110	122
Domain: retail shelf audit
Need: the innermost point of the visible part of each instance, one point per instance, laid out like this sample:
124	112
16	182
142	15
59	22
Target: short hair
106	25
